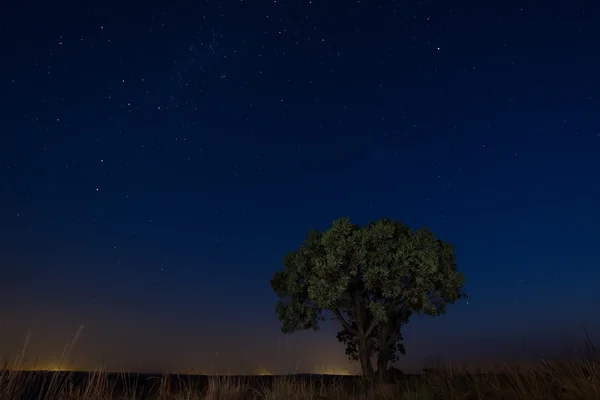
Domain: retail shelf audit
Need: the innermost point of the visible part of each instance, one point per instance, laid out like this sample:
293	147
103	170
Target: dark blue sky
159	160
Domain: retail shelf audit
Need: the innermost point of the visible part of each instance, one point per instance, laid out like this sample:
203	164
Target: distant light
264	372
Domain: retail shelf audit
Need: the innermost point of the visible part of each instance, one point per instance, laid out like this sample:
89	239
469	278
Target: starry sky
159	159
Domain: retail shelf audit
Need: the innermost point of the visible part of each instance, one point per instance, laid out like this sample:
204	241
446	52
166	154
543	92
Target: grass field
546	381
574	379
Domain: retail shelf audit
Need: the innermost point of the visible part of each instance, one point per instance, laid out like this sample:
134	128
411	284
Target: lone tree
371	279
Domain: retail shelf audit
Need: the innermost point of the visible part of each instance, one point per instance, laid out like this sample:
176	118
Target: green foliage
371	278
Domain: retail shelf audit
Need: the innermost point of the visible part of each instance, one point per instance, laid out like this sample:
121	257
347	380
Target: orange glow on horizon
332	370
264	372
52	367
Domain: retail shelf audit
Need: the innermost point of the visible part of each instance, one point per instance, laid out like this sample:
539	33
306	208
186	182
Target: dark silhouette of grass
546	380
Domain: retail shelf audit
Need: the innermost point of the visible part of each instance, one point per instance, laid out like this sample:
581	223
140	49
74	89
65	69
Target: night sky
159	159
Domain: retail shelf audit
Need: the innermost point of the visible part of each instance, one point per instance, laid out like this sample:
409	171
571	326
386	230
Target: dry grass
545	381
578	379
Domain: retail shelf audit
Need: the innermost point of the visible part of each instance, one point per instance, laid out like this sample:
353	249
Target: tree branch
372	326
341	318
393	306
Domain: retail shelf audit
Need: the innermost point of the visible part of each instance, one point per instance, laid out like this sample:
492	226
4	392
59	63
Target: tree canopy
371	279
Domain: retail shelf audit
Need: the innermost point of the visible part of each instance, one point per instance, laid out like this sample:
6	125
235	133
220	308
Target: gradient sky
159	159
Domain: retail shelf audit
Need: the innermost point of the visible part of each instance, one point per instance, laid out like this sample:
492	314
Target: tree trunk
365	346
382	365
365	352
383	357
387	338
